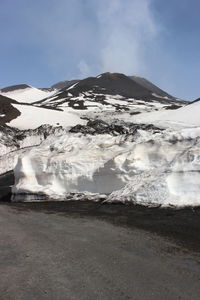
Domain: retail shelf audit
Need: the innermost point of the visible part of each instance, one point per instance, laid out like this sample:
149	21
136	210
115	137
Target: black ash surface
114	128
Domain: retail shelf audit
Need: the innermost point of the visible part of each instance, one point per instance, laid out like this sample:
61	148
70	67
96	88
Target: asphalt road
84	252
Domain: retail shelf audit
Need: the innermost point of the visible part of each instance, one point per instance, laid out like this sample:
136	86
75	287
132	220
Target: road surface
89	251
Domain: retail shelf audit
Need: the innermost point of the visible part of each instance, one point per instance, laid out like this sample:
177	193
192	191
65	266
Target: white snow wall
149	168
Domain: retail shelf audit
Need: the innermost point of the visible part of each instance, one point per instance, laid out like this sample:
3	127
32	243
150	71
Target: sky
46	41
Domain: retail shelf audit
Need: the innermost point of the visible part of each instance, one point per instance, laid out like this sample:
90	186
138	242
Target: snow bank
14	142
149	168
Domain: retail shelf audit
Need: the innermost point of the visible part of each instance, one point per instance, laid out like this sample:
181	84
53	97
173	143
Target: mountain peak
12	88
117	84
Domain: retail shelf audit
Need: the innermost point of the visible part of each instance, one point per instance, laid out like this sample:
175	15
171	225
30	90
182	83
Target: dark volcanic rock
150	86
79	104
6	182
173	106
115	128
7	111
14	88
12	137
197	100
101	88
64	84
113	84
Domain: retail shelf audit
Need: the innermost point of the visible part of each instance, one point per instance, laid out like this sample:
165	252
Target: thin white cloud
127	27
84	69
87	37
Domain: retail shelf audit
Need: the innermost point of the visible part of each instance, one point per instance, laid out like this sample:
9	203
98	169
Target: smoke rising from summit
127	27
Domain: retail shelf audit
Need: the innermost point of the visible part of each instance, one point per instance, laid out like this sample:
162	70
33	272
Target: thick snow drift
148	168
13	142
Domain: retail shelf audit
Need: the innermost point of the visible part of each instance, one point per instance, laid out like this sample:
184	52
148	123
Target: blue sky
45	41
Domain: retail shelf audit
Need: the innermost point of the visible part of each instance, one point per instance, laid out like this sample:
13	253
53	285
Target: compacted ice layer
148	168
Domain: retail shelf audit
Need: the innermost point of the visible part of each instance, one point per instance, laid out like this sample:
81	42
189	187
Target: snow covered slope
107	91
109	95
26	93
32	117
123	140
187	116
